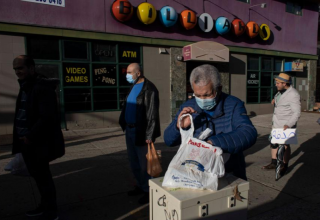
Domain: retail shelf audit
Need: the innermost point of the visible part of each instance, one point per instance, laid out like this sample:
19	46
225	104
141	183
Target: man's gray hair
204	74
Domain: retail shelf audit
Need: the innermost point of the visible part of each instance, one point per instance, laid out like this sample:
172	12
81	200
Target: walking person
140	120
37	133
225	115
287	110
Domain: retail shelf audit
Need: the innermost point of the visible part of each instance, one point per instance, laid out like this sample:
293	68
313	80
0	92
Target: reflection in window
266	64
253	95
105	99
294	8
104	52
75	50
77	99
266	79
265	95
43	48
253	63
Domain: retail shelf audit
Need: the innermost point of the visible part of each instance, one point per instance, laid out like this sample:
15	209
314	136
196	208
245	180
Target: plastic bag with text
197	164
17	166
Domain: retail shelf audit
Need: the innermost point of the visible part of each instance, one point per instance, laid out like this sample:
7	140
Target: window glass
266	79
265	95
104	75
76	74
294	8
123	92
122	76
104	52
77	99
105	99
252	95
266	64
129	53
253	79
278	65
43	48
253	63
246	1
75	50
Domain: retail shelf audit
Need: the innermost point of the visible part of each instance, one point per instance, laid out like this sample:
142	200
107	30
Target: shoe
270	166
135	192
49	216
36	212
144	199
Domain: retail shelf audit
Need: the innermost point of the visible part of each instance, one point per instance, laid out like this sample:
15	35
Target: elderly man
224	114
140	119
287	109
37	133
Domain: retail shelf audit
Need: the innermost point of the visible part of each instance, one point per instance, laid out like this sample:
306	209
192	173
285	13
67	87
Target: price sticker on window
60	3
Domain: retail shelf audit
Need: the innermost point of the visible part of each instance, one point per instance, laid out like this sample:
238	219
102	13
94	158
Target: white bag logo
196	165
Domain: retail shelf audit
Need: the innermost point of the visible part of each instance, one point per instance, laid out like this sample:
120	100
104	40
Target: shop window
77	100
294	8
75	50
246	1
92	74
43	48
260	78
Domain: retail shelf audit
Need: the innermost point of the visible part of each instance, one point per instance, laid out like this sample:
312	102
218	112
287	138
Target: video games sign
76	74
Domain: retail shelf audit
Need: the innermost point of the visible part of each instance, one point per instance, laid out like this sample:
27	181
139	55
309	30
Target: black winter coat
147	114
43	122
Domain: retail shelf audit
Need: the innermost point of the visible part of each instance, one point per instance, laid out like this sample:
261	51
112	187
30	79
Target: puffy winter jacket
232	130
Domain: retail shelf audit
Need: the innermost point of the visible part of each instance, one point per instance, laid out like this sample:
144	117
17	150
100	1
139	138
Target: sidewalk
93	177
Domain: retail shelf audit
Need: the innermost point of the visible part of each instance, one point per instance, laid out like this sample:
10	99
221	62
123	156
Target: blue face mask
129	78
206	104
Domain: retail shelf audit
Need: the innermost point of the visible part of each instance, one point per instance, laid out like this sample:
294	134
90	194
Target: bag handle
186	133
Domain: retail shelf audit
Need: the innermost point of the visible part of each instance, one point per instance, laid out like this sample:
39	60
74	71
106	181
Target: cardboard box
183	204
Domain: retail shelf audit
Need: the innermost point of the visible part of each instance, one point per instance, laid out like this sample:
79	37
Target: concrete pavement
93	177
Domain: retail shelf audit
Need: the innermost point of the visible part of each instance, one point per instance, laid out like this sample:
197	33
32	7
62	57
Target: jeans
137	159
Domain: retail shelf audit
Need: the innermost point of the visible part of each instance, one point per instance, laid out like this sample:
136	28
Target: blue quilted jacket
232	130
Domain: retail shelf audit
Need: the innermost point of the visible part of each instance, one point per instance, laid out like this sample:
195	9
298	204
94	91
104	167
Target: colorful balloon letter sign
146	13
223	25
252	29
188	19
168	16
238	27
122	10
264	32
205	22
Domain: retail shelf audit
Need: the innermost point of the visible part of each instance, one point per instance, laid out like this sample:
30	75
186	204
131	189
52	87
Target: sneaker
144	199
36	212
136	191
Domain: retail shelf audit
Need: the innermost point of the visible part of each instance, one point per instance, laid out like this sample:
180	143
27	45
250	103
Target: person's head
206	84
283	81
133	72
24	66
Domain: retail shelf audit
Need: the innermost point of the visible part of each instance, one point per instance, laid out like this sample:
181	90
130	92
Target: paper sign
60	3
280	136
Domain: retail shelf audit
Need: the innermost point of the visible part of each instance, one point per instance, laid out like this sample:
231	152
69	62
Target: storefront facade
84	45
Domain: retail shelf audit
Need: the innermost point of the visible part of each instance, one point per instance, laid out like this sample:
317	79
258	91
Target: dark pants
40	171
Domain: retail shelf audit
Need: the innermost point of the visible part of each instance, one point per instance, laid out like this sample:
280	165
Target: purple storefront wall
298	34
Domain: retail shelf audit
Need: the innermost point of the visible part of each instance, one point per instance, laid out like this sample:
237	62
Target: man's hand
272	102
185	122
25	140
285	127
148	141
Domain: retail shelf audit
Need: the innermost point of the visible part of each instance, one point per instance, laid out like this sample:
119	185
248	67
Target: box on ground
183	204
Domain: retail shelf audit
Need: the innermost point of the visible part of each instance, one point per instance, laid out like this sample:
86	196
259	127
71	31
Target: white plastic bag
17	166
197	164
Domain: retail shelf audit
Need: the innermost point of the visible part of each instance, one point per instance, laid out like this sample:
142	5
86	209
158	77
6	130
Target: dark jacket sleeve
46	102
242	136
152	112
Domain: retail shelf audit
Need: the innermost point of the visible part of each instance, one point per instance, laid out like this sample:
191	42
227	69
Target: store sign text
104	79
132	54
76	71
60	3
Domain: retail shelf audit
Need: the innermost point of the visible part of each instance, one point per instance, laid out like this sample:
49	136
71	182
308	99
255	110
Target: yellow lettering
67	78
133	54
68	70
124	54
85	79
83	70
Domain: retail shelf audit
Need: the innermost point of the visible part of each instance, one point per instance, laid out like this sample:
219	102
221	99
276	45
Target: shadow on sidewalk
302	187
